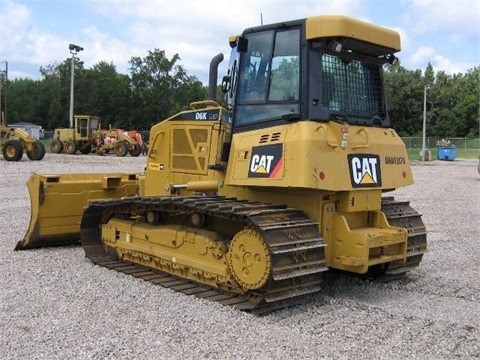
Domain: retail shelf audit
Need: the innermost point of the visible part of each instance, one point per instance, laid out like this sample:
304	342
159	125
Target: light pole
2	81
74	49
424	129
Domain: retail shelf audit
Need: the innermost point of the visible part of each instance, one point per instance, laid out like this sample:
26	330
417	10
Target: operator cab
321	68
86	125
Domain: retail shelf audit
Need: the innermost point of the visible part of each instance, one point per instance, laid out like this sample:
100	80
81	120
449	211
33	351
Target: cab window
269	82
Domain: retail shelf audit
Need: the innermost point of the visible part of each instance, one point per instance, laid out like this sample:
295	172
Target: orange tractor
119	141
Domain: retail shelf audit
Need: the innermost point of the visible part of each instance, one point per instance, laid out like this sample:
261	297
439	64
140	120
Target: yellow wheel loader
14	142
250	202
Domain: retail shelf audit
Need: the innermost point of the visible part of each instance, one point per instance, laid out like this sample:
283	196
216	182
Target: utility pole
424	128
3	80
74	50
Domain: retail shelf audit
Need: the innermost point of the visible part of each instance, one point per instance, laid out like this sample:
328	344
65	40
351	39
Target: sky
37	33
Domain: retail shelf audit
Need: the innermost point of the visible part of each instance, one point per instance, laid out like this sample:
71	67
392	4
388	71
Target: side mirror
226	84
242	44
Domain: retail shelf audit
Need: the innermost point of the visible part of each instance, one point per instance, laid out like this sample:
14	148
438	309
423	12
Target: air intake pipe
212	77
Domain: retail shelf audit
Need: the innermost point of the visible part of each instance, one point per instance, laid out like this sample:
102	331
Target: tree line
452	102
157	87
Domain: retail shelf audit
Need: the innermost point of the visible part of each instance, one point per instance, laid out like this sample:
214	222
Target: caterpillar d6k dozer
249	203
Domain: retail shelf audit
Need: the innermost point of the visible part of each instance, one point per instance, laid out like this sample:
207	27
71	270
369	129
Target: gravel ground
54	304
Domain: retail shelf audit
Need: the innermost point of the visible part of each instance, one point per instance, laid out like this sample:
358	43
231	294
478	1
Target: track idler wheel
248	259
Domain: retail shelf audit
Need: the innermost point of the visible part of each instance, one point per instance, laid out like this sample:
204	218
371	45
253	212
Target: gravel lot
54	304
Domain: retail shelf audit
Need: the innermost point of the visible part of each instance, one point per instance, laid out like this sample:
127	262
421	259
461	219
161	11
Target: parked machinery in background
14	142
119	141
87	136
79	138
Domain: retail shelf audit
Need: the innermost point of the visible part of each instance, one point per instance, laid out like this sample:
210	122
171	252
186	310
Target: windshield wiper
291	116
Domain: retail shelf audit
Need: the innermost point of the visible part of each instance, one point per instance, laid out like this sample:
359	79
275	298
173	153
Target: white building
34	130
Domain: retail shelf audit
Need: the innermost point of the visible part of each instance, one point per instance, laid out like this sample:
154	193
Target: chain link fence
432	142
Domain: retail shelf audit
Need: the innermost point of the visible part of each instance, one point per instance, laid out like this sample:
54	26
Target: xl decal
364	170
266	161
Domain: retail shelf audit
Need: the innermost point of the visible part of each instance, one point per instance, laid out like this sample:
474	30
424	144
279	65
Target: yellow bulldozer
250	202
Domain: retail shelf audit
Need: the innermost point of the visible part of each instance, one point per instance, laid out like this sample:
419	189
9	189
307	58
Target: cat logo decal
266	161
364	170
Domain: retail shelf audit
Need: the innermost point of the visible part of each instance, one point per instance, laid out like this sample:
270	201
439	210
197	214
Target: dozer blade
57	203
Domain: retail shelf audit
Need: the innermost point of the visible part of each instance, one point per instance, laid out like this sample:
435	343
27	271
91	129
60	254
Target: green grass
47	145
414	153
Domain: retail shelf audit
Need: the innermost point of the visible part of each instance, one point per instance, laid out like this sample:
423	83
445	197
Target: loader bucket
57	203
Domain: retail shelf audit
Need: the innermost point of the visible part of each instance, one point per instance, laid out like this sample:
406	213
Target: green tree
160	87
440	115
58	77
104	92
404	91
54	87
452	102
467	107
21	102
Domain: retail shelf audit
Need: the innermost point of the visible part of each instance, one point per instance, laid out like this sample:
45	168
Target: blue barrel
446	153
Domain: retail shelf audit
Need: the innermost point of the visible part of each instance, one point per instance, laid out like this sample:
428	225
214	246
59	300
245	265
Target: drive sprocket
248	259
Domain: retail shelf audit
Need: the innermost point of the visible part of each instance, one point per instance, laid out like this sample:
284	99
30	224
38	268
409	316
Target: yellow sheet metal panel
351	201
328	156
328	26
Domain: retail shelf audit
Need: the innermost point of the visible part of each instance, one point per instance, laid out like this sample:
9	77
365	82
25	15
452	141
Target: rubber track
401	214
296	247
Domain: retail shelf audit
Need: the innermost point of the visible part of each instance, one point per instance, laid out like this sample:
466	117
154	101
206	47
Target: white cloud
444	33
24	41
115	31
447	65
460	17
422	55
14	21
425	55
198	30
